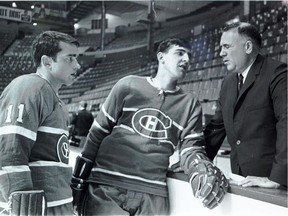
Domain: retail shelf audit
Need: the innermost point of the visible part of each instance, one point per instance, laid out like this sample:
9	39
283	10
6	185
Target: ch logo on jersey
151	123
63	149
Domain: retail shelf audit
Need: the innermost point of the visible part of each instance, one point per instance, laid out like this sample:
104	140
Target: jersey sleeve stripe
130	109
53	130
14	129
193	136
125	127
194	148
169	142
59	202
48	163
128	176
49	204
14	169
100	127
107	115
178	126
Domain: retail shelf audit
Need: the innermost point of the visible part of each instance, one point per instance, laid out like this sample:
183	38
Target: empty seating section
23	46
94	40
273	26
13	66
6	39
204	78
96	82
16	62
129	40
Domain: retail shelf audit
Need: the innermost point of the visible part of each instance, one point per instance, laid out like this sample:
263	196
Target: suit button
238	142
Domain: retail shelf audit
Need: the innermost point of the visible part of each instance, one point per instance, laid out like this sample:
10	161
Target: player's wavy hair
47	43
247	30
165	45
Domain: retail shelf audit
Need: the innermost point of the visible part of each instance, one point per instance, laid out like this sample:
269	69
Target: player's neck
164	82
49	79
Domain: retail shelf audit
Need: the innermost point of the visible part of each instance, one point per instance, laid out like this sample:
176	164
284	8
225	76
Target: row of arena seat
207	71
6	39
203	79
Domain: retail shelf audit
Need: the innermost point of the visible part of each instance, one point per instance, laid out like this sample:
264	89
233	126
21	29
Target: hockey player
130	142
34	150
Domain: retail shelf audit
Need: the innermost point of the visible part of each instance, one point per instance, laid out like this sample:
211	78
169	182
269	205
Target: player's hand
264	182
209	184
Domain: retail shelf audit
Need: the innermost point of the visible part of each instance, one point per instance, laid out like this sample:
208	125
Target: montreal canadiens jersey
34	148
137	130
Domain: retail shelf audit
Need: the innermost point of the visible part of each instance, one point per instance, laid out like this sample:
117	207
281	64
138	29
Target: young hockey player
130	142
34	147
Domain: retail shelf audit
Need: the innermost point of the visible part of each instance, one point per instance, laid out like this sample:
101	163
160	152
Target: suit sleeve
214	133
278	90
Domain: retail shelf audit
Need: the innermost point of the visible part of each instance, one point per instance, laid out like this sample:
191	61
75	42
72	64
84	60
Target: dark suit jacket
255	122
82	121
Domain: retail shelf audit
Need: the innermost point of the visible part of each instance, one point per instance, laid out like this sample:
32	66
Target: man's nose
222	53
78	66
186	57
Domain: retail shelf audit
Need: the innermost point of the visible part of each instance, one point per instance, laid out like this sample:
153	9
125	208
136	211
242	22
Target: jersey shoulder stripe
14	129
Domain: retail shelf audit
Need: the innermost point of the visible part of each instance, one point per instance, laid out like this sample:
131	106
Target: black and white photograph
143	108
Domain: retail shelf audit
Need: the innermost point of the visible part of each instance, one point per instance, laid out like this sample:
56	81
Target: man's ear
46	61
249	47
160	57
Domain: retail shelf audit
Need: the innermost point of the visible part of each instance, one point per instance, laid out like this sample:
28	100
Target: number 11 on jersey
20	113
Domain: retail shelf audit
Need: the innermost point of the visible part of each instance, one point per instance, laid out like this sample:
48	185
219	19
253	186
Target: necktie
240	82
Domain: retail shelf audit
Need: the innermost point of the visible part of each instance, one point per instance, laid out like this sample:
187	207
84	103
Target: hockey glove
82	171
208	182
26	203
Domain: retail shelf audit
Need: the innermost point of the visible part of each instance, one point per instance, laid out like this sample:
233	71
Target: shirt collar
245	72
149	79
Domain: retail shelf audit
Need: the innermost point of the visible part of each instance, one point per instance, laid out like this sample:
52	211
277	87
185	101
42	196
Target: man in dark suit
81	123
252	113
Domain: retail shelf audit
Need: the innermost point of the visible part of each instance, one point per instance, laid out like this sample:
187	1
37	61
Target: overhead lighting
32	6
34	24
14	5
76	26
235	20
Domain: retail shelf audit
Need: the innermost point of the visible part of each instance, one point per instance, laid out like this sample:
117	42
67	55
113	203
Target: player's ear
160	57
46	61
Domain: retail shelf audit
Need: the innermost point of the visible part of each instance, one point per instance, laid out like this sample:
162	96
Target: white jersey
34	147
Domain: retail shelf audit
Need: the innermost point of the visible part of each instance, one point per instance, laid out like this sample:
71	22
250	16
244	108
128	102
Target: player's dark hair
47	43
248	30
165	45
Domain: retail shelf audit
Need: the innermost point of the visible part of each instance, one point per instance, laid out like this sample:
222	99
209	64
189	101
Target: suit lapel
232	88
251	76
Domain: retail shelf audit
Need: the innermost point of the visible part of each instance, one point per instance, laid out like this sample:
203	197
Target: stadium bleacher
99	75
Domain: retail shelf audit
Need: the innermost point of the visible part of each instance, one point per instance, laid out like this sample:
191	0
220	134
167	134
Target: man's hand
208	183
264	182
